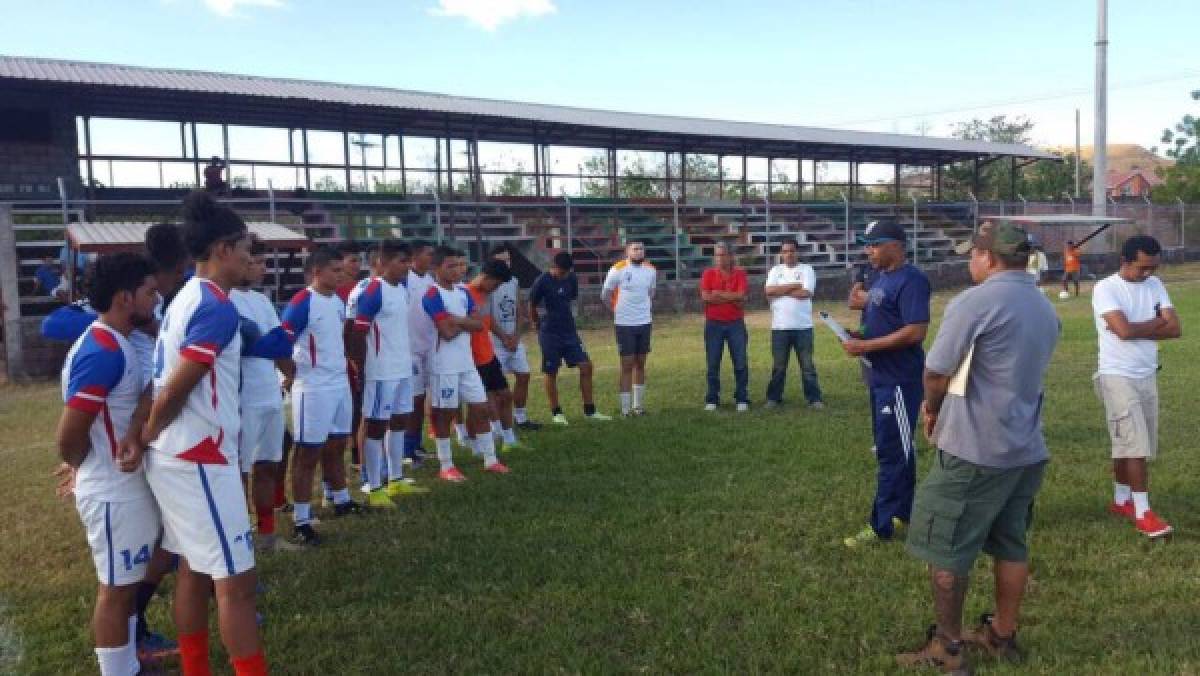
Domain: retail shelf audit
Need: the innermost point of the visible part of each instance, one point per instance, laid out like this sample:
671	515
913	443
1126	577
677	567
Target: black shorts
560	348
492	376
633	340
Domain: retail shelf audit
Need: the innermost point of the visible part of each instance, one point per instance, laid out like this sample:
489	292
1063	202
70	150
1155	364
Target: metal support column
570	234
10	296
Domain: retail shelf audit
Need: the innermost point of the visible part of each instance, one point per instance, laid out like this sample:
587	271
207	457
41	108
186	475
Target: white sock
497	430
509	436
394	442
327	491
341	497
1121	493
373	456
463	436
487	448
301	513
444	454
625	402
639	396
117	661
519	415
1141	504
134	665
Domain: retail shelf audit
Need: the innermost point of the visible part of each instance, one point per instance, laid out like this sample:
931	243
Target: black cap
879	232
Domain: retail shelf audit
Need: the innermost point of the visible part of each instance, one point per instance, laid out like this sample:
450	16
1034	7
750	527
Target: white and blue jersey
260	383
381	311
454	355
201	325
102	376
314	322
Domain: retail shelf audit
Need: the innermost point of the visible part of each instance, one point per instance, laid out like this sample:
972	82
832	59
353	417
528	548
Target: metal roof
84	74
113	237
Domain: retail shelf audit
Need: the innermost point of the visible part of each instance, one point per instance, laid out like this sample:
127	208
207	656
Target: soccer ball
1063	295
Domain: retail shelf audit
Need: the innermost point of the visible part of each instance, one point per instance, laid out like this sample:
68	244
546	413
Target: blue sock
411	442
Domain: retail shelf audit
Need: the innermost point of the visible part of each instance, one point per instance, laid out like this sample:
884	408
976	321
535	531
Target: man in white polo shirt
1132	313
629	291
790	286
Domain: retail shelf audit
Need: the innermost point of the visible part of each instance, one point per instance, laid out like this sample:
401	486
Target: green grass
681	542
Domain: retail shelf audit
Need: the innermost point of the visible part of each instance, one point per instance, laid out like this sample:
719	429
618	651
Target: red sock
266	521
251	665
280	495
193	654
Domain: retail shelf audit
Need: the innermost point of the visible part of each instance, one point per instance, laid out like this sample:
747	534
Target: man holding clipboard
984	380
895	319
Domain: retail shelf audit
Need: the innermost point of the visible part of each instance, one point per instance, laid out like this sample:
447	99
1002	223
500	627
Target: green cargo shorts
962	508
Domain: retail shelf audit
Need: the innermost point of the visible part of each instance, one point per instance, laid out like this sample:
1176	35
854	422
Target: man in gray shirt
984	383
506	338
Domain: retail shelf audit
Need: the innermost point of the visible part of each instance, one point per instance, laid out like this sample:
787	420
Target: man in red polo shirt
723	290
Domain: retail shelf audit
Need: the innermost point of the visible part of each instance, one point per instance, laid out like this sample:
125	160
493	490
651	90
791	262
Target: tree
994	177
1182	181
1049	180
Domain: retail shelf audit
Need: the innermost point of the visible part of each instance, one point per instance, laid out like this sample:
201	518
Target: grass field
685	541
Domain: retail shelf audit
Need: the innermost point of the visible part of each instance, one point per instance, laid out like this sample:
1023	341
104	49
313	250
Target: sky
915	66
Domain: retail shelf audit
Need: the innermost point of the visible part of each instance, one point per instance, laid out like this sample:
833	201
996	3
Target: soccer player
556	289
350	279
454	378
379	349
723	288
1071	266
1133	312
102	385
422	335
191	460
500	402
789	288
895	321
629	292
321	401
507	327
260	443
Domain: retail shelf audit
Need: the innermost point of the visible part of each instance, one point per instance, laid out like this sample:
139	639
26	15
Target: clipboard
958	381
840	332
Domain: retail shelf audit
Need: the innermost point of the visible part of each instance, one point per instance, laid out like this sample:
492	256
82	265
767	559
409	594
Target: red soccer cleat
497	468
1123	510
452	475
1151	526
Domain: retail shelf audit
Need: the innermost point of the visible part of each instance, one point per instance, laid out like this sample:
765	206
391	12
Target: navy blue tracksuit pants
894	411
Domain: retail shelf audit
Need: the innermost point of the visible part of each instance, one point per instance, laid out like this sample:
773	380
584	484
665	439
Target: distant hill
1122	157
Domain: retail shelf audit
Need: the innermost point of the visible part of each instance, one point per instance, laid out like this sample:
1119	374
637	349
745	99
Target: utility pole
1077	155
1100	153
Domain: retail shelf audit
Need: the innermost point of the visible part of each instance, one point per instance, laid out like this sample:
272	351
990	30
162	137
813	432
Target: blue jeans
716	335
783	342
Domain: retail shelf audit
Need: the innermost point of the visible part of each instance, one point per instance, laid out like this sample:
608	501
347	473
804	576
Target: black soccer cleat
306	535
350	507
529	425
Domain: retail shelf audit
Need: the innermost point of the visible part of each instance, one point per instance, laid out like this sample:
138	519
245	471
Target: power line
1064	94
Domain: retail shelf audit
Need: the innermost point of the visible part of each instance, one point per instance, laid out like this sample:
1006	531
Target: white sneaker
710	407
742	407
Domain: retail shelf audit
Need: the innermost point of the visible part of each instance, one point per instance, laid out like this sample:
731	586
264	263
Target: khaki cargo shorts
1131	410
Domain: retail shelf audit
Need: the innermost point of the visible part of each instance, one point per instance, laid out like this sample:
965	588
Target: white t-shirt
504	306
1129	358
201	325
381	311
454	355
632	287
102	376
788	313
315	322
422	334
1037	264
260	384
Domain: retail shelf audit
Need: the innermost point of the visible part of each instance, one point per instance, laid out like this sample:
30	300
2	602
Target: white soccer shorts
383	399
204	514
450	389
321	414
514	361
261	438
122	536
422	372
